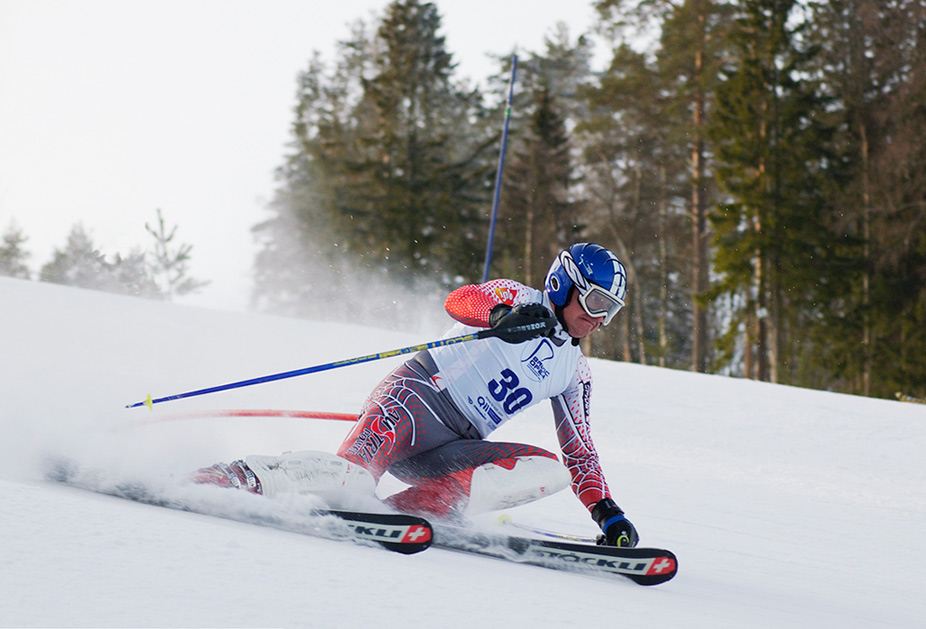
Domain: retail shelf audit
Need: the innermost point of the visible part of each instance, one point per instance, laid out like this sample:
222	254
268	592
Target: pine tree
685	66
81	264
422	166
634	176
872	64
694	39
171	263
389	177
12	256
539	212
537	217
773	247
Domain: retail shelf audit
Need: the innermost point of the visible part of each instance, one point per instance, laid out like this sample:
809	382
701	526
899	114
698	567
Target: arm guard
570	410
472	304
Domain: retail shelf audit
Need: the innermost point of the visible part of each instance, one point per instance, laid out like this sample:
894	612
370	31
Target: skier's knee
514	482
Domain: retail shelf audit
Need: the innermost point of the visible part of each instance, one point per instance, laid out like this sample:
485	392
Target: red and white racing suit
430	417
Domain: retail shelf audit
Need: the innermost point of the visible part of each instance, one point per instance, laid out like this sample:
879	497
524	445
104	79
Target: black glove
509	322
616	529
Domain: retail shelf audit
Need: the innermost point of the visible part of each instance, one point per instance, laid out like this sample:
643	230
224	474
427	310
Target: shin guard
310	472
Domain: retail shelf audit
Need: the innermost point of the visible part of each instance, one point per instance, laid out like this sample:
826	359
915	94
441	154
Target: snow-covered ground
786	507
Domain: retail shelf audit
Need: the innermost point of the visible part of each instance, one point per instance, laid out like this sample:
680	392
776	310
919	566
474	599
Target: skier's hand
616	529
506	321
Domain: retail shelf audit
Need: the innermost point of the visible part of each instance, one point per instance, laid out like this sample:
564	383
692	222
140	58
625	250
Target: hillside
786	507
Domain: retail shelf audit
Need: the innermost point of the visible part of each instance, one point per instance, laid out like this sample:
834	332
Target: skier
426	423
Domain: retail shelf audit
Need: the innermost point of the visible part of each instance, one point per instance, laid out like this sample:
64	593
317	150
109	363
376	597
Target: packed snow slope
786	507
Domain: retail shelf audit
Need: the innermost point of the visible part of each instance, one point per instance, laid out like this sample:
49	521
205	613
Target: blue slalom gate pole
501	167
482	334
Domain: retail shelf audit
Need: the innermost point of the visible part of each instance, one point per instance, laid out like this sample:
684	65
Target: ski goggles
598	302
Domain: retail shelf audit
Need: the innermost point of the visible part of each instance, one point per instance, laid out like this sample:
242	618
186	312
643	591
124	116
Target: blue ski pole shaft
482	334
498	174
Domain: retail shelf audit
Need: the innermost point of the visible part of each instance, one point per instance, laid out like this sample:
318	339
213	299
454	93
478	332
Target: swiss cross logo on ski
418	534
665	564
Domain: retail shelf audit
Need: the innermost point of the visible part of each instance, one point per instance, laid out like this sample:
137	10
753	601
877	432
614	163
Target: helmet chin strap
558	311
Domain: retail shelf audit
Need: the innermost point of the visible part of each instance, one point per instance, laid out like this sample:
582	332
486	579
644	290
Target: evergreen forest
759	166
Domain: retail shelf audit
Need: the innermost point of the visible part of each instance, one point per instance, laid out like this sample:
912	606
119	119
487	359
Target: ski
398	532
401	533
406	534
645	566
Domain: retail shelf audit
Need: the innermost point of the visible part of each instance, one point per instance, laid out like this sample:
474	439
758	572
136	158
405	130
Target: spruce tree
389	174
81	264
537	217
12	256
421	166
772	243
872	66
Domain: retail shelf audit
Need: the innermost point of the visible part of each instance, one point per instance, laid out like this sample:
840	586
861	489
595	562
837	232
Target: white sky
110	109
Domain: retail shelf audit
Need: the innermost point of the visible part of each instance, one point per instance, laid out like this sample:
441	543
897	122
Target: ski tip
417	537
662	568
504	518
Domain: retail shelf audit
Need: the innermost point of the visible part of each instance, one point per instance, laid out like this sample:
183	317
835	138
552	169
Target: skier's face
579	323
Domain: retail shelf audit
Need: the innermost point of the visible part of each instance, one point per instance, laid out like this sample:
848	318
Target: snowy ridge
786	507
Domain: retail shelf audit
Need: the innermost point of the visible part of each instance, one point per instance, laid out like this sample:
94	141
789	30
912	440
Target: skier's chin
584	326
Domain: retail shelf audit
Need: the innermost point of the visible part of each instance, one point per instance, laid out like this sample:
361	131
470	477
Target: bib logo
535	361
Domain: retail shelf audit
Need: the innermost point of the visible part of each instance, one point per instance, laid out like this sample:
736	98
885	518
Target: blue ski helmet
597	274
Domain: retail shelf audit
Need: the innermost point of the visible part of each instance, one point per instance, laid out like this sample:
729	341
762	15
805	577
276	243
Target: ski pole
583	539
482	334
501	168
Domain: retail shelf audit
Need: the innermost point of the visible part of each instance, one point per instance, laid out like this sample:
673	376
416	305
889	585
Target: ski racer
427	422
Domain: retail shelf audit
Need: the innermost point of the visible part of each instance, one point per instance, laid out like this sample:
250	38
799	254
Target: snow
785	506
